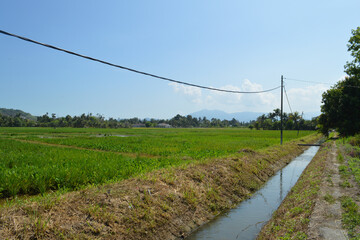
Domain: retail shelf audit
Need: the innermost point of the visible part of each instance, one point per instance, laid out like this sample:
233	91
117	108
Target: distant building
163	125
138	125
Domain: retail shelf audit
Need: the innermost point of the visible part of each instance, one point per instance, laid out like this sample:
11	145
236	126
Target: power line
287	99
130	69
299	80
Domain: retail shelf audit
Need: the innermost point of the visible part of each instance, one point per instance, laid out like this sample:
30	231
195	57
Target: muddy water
245	221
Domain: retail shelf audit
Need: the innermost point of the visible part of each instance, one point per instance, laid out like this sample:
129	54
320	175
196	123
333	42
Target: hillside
15	112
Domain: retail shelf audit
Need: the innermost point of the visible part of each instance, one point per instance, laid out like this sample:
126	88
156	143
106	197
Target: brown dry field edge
164	204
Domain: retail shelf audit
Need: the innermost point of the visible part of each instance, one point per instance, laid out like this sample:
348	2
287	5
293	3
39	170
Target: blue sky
236	45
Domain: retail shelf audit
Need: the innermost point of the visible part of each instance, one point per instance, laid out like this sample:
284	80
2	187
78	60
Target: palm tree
296	117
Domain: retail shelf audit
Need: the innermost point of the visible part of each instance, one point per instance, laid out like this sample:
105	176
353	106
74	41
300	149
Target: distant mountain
15	112
240	116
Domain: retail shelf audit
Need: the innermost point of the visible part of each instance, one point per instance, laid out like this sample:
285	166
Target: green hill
15	112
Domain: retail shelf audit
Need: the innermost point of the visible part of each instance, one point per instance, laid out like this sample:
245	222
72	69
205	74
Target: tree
275	115
260	120
353	68
234	122
296	117
257	125
267	124
341	104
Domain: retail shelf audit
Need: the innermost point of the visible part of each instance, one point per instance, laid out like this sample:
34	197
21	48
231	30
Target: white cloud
250	87
187	90
266	99
231	102
307	98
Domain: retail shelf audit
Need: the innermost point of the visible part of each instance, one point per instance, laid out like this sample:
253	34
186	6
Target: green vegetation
351	217
271	121
16	113
342	101
352	153
292	121
35	160
30	168
193	143
149	205
329	198
98	121
350	168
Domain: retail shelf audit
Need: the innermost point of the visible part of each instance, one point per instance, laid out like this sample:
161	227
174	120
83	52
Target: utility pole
281	114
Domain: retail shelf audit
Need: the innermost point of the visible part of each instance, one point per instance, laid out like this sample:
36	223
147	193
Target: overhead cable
287	99
299	80
132	70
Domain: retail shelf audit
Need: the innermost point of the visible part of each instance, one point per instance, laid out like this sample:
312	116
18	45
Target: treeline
98	121
189	121
270	121
341	103
292	121
17	121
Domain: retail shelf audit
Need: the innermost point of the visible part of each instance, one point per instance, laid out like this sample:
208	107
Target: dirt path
325	220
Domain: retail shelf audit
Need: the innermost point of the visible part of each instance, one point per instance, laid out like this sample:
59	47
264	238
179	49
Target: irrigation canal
246	221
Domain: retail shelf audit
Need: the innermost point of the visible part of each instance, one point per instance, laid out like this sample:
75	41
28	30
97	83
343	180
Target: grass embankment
291	219
349	158
163	204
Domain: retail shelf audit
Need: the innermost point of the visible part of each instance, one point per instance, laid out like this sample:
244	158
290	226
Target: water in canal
245	221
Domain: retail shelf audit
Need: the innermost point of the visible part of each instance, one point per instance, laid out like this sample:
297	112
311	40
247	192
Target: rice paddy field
38	160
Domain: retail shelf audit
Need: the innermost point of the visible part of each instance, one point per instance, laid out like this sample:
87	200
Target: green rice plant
193	143
37	169
36	160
